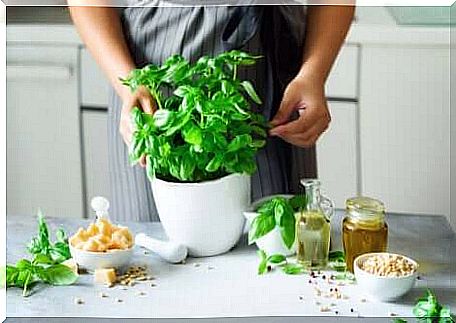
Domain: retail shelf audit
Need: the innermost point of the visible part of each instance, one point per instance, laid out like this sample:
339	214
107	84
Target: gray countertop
227	285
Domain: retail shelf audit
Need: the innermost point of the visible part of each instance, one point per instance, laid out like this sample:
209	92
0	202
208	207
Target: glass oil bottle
313	227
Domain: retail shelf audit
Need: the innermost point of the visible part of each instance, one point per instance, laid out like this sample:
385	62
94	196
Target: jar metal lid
365	207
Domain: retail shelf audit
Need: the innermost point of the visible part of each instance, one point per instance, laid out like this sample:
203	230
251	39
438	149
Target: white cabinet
95	139
343	79
94	85
43	141
404	127
338	154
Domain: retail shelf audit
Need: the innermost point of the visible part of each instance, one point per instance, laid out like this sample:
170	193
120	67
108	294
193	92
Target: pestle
168	250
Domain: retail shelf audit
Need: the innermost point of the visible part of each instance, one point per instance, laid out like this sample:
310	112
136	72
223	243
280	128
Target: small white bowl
272	242
383	288
91	260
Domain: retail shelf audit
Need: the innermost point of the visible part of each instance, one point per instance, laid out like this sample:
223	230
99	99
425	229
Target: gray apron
155	33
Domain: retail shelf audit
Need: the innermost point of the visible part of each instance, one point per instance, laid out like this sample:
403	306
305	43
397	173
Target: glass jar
364	228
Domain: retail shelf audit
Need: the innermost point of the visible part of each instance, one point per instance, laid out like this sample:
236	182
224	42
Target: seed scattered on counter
197	265
118	300
211	267
140	293
392	314
152	285
300	298
146	252
102	295
363	300
78	301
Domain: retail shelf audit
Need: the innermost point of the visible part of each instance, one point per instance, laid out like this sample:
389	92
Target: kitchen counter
228	285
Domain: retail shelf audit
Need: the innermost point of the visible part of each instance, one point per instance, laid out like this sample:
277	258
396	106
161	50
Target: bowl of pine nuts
385	276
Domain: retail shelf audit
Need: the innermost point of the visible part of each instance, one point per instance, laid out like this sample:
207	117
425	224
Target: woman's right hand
142	99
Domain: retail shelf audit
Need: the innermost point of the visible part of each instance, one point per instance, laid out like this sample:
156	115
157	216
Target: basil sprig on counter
204	127
280	212
428	310
266	263
26	274
45	266
41	244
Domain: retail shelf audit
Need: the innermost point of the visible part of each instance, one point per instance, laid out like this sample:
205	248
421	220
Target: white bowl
90	260
383	288
272	242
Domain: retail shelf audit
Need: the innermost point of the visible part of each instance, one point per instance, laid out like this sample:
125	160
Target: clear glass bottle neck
312	191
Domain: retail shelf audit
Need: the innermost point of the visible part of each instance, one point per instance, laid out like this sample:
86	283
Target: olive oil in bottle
313	228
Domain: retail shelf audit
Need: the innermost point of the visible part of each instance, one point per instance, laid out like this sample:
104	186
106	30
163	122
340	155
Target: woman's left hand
306	94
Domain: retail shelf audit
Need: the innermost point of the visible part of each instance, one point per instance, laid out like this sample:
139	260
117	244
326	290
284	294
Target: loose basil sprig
204	127
278	211
41	244
279	260
45	266
428	309
26	274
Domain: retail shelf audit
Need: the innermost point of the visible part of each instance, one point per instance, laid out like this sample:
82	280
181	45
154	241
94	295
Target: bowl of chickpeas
102	245
385	276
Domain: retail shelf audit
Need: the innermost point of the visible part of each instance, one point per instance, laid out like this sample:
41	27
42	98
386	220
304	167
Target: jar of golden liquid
364	228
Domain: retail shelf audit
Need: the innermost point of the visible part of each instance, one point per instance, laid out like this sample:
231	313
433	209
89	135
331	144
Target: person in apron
298	45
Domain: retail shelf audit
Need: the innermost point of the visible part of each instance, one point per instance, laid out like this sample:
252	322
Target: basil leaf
293	269
261	225
298	202
42	259
276	259
248	87
58	275
192	134
262	267
162	118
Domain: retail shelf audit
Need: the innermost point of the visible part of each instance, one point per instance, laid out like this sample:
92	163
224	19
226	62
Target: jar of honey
364	228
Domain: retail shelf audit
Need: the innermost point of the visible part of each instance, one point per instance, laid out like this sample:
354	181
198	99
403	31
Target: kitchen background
388	94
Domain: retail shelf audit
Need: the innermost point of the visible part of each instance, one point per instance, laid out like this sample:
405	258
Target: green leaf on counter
45	266
293	269
57	275
262	267
429	309
277	259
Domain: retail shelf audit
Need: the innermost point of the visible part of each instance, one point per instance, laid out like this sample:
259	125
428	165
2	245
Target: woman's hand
305	94
142	99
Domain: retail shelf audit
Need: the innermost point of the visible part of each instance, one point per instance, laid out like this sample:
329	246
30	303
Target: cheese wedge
105	276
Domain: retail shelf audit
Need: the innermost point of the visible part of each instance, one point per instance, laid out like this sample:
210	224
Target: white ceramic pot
206	217
272	242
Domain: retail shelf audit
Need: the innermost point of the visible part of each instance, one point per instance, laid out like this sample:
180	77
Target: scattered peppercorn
351	310
324	277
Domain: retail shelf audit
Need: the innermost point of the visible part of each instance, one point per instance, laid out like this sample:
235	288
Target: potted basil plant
272	223
199	146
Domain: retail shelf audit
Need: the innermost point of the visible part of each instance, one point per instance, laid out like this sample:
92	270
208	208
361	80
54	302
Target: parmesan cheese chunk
105	276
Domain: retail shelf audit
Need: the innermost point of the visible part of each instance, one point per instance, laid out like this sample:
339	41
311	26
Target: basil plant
204	127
